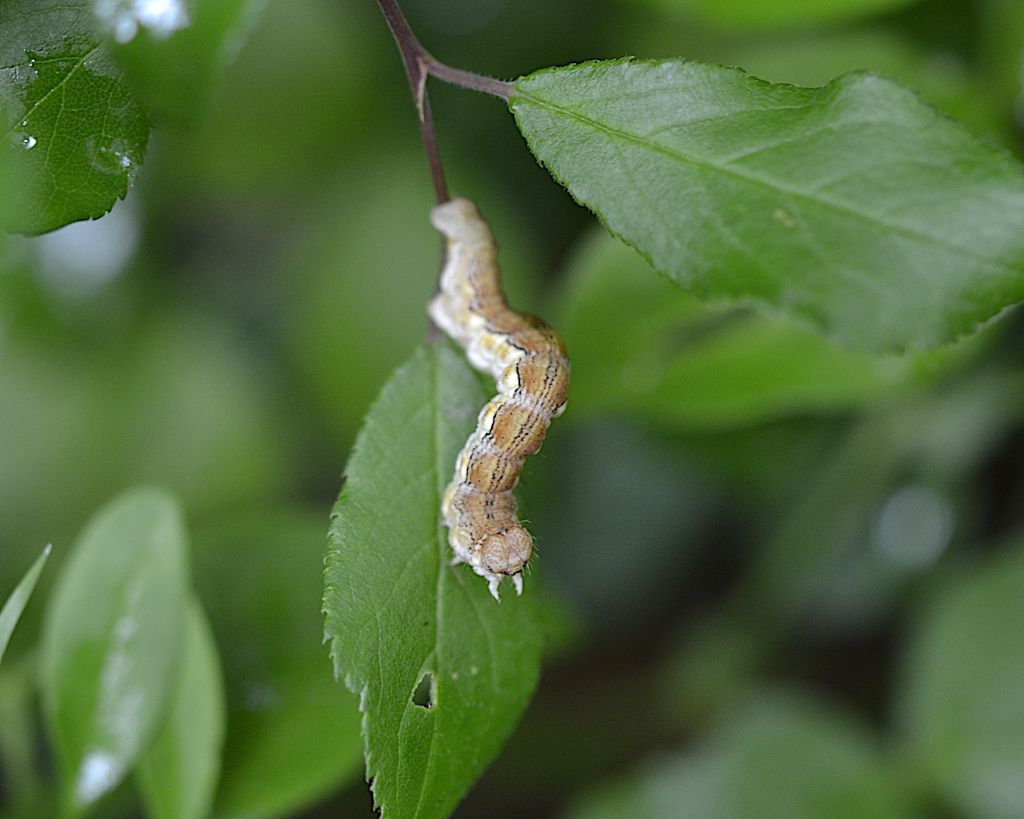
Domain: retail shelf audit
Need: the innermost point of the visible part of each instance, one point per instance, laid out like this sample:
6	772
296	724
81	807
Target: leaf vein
744	175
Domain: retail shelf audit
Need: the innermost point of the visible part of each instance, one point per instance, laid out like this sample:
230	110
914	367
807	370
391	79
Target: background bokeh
765	547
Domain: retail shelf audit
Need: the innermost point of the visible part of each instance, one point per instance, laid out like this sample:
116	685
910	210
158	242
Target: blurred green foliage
114	625
750	14
14	605
179	771
765	539
292	733
776	756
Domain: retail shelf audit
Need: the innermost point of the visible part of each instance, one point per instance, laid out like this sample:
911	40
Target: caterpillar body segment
529	363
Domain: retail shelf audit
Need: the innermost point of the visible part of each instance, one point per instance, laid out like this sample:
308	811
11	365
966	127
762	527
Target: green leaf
854	206
15	605
639	344
178	774
398	615
293	734
74	131
963	703
776	757
173	58
756	14
111	641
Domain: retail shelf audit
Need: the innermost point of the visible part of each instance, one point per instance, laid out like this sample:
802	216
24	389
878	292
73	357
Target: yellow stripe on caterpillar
529	363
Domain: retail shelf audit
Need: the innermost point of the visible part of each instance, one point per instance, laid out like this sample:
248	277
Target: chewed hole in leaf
423	694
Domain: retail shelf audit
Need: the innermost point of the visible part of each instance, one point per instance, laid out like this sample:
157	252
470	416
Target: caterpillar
528	360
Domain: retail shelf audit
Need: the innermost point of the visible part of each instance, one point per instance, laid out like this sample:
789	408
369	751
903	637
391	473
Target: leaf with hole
443	671
855	207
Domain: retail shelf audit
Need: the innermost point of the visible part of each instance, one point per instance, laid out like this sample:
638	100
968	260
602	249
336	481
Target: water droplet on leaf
98	774
111	158
22	140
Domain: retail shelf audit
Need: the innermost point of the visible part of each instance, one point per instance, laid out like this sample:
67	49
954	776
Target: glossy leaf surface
854	206
75	134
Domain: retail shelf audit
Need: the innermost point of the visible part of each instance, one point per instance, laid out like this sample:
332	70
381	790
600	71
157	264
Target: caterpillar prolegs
528	360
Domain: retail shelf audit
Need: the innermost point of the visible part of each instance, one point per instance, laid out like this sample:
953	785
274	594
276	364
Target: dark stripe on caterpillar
528	360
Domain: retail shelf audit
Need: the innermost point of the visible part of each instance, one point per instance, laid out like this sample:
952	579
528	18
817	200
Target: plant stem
468	79
416	71
419	64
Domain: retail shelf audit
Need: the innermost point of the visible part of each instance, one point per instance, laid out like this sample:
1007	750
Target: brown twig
419	64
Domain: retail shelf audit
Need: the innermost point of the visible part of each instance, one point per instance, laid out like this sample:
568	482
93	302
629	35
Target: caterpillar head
502	554
460	221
